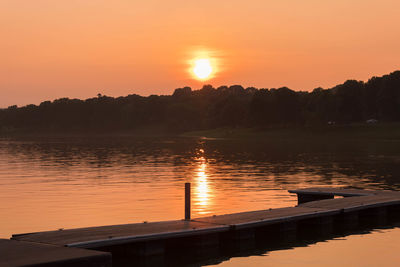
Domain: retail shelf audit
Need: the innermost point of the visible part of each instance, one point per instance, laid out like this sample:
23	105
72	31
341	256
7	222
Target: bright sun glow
202	68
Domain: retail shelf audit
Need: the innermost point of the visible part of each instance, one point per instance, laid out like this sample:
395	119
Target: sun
202	68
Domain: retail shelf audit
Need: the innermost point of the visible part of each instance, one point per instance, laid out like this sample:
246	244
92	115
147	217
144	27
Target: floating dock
19	253
319	210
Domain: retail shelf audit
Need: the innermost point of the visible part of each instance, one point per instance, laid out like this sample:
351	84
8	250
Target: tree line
208	108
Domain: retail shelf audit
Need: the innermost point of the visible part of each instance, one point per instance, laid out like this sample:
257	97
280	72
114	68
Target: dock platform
17	253
317	207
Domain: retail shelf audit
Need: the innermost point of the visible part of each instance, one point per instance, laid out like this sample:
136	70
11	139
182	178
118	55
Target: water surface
68	182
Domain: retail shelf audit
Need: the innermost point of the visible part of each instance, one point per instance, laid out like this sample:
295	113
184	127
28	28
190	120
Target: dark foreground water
52	183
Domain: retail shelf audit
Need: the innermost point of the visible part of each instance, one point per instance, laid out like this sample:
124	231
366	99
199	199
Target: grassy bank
379	131
352	132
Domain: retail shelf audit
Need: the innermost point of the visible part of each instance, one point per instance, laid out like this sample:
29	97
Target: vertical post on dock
187	201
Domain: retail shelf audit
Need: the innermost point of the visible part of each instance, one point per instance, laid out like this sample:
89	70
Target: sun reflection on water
202	190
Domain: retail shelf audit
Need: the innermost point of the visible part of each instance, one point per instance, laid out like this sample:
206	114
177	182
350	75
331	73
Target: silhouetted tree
209	107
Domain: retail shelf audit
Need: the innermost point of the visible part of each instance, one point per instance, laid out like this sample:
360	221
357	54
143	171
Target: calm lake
52	183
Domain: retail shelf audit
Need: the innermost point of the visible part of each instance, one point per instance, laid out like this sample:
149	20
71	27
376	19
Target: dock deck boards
353	203
263	217
15	253
105	235
344	192
119	234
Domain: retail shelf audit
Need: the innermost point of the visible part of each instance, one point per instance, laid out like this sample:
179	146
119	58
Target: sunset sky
77	49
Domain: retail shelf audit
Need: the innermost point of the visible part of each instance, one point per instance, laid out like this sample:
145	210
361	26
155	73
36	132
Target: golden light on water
202	188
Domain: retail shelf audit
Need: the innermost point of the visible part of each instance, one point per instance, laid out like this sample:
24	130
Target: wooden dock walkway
94	237
17	253
314	204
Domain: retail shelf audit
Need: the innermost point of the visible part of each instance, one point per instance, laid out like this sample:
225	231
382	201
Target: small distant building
372	121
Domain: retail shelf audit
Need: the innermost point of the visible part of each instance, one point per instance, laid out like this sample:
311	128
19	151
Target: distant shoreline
358	131
322	110
379	131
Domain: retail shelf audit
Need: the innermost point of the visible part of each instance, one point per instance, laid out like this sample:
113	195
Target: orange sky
51	49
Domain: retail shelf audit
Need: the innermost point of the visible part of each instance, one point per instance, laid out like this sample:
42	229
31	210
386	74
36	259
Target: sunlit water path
73	182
